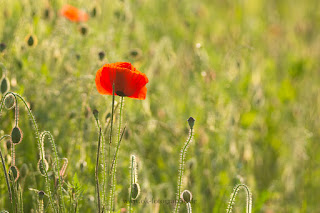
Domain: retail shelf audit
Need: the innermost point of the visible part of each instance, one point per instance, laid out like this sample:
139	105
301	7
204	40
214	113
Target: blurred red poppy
127	80
74	14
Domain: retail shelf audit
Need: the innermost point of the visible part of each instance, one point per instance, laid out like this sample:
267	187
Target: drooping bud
135	53
14	173
31	40
96	114
43	166
191	121
2	47
41	195
186	196
101	55
4	85
135	191
16	135
93	12
9	102
83	30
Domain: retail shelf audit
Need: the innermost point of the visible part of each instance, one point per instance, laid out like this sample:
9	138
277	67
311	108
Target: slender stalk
189	209
110	141
131	183
5	170
181	169
53	146
97	172
114	169
40	148
234	194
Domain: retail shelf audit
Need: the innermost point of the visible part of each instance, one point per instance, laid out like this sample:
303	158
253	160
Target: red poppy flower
127	80
73	13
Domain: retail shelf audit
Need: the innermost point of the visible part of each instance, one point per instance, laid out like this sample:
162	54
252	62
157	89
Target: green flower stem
189	209
131	182
181	169
114	163
234	194
97	172
39	145
53	146
110	141
5	170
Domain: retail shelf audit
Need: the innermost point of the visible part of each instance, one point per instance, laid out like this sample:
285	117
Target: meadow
247	71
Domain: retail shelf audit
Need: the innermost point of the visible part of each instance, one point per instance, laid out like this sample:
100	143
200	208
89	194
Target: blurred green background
246	70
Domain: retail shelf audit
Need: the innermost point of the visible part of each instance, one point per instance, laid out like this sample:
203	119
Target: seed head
4	85
186	196
16	135
191	121
135	191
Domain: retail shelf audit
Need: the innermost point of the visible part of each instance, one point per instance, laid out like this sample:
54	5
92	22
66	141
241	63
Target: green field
246	70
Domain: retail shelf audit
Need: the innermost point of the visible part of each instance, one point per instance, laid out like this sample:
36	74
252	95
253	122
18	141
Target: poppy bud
2	47
186	196
41	195
9	101
47	13
4	85
9	144
191	121
83	165
135	191
108	116
16	135
31	40
43	166
135	53
101	55
93	12
96	114
14	173
83	30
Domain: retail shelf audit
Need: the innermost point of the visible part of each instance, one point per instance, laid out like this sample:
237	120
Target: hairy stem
97	172
5	170
234	195
181	169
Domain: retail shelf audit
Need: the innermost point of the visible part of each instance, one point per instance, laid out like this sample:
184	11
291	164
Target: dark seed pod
16	135
43	166
8	144
78	56
101	55
47	13
41	195
108	116
186	196
135	191
191	121
135	53
83	30
96	114
2	47
31	40
4	85
9	102
93	12
14	173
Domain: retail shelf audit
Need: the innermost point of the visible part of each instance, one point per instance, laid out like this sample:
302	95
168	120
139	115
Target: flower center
120	93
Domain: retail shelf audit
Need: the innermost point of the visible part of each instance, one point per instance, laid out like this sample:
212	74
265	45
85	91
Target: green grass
252	86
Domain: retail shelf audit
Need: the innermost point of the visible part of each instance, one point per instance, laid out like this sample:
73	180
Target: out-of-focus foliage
247	71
